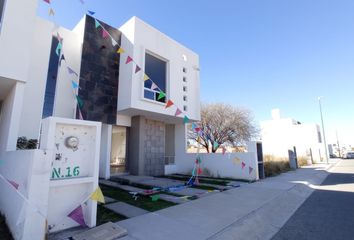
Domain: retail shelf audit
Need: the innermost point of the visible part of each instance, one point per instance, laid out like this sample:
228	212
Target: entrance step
107	231
127	187
125	209
174	199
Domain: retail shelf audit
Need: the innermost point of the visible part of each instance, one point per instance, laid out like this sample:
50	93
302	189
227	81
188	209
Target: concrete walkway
254	211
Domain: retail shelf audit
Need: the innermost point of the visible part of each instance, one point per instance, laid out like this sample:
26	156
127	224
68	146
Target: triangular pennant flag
194	126
13	183
120	50
51	12
193	171
91	12
80	115
154	198
153	86
57	50
199	160
161	95
137	69
97	23
146	77
237	160
74	85
250	169
60	39
216	145
169	104
185	120
47	1
71	71
79	101
200	171
243	165
178	112
62	58
114	42
223	150
129	59
78	216
105	34
97	195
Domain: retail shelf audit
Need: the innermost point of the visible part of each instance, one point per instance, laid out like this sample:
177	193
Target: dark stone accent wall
99	73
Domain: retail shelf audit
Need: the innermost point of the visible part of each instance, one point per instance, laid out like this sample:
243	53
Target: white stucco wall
10	117
30	169
140	38
65	101
16	30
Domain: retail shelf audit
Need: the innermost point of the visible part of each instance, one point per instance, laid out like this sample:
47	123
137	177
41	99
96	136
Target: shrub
23	143
275	165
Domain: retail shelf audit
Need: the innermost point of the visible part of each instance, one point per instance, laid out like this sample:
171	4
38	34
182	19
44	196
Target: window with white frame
156	69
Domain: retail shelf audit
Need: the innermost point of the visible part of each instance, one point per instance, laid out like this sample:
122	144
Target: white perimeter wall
218	165
138	38
31	170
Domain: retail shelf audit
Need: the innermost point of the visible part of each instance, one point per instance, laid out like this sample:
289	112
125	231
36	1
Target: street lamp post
323	129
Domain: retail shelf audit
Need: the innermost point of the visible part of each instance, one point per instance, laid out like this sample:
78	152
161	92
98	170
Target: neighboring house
138	133
282	134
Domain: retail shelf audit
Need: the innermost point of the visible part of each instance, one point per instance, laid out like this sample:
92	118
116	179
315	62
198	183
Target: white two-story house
139	83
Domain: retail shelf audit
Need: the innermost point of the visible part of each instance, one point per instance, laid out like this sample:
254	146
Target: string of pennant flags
76	214
105	34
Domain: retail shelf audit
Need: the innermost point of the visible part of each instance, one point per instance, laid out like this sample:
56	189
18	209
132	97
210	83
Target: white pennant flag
114	42
153	86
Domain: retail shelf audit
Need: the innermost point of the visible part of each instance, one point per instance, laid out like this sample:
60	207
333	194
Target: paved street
329	212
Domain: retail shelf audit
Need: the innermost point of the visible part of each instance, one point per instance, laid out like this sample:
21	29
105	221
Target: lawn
4	231
105	215
143	202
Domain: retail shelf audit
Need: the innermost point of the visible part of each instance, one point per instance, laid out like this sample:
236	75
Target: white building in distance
282	134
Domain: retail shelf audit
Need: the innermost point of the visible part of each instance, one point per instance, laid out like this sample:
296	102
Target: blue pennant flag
57	50
74	85
91	12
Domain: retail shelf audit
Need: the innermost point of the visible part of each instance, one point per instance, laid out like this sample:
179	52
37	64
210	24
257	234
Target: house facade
139	83
282	134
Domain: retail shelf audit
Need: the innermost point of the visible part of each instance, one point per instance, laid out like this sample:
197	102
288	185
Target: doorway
118	151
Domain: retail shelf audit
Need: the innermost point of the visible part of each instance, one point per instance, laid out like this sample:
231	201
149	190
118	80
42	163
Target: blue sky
258	54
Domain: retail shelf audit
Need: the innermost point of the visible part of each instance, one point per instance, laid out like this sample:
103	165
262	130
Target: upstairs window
155	68
51	84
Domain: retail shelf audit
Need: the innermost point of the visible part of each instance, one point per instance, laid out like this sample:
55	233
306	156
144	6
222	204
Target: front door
118	150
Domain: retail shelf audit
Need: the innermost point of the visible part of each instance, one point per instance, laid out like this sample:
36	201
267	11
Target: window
185	108
155	68
184	88
185	70
184	79
185	98
51	80
2	7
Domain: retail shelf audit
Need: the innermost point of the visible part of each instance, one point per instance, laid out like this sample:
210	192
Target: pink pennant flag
153	86
129	59
80	115
14	184
137	69
105	34
250	169
243	165
178	112
47	1
78	216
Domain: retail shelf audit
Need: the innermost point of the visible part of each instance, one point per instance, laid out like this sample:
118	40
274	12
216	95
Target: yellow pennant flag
97	195
146	77
120	50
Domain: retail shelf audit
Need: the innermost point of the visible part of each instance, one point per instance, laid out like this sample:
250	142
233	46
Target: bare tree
222	124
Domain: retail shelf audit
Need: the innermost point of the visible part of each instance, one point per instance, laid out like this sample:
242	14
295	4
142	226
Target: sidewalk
254	211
